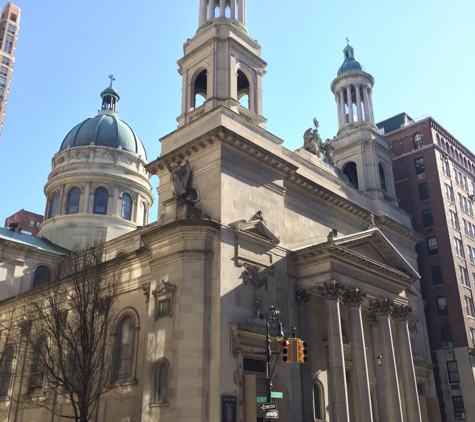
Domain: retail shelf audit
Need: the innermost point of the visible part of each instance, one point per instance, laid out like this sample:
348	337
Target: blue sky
420	52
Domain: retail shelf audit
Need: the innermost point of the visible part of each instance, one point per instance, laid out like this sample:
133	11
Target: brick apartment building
24	221
434	175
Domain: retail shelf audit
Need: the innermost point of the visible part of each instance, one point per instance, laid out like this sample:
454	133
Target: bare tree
70	358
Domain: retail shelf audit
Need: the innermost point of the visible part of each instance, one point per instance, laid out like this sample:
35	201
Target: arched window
42	275
124	349
126	206
161	382
352	173
382	179
144	214
200	89
243	89
6	371
100	201
318	403
417	140
37	374
73	201
53	202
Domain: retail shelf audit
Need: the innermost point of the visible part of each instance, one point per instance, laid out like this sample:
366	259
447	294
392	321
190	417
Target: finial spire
110	96
347	41
111	77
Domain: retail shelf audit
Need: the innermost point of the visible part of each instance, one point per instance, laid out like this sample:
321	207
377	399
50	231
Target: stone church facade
244	224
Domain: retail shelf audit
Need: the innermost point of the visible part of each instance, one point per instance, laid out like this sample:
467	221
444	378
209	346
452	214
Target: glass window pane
73	201
100	201
124	348
126	206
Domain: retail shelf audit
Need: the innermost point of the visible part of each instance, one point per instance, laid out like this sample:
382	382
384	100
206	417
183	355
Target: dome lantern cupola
110	97
353	89
222	9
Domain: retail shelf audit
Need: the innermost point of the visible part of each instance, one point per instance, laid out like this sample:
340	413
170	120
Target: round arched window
42	275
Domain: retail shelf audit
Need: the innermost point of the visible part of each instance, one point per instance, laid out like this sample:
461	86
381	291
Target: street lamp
272	314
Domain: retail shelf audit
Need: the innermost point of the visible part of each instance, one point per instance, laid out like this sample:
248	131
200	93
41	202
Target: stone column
358	102
366	104
342	108
381	310
338	396
383	413
222	8
362	398
203	6
349	103
370	105
401	315
241	11
233	9
337	101
211	10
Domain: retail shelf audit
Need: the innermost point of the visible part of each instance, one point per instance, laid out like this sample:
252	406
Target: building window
453	371
427	218
417	140
454	220
469	307
37	374
459	247
126	206
464	276
164	307
73	201
442	309
449	193
445	167
432	246
161	383
459	407
436	272
164	295
6	60
351	171
11	29
6	371
471	254
41	276
124	349
52	205
100	201
8	46
419	164
446	333
472	336
144	214
318	404
3	81
3	70
423	191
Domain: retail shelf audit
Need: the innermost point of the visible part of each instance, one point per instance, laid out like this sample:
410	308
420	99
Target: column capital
382	307
354	297
332	290
302	297
401	313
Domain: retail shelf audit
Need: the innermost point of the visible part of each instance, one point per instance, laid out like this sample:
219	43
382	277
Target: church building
246	228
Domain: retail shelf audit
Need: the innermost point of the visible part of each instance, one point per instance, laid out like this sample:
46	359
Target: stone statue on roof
179	175
312	141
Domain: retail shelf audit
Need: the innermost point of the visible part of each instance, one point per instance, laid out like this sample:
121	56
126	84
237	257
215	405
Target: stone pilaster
402	315
362	398
382	310
332	293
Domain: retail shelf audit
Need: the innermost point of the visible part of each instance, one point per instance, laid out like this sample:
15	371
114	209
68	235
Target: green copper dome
105	129
350	62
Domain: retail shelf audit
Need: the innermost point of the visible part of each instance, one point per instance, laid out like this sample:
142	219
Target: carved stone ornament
146	292
380	308
354	297
302	297
255	275
258	217
328	149
401	313
163	288
332	290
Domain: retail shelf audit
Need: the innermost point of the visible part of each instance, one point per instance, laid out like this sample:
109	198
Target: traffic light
287	351
301	351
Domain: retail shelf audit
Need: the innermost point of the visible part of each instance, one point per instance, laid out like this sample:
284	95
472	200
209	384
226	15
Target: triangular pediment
257	229
370	250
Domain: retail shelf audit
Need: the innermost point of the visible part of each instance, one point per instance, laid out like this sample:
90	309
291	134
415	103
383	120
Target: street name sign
261	399
277	395
267	406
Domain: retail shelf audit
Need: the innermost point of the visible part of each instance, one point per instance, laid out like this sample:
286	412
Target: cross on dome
111	77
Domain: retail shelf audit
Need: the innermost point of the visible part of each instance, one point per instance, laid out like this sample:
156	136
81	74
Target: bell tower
360	151
222	65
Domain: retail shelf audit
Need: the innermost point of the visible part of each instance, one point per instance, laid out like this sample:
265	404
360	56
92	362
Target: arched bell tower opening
243	92
200	89
351	172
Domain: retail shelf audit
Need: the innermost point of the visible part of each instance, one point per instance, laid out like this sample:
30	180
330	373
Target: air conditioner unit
460	416
447	344
421	176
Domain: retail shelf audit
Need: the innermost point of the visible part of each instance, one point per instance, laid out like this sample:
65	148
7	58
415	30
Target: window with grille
432	246
419	164
469	307
459	247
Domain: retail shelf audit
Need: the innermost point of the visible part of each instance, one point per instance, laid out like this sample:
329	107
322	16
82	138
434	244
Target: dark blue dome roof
350	62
